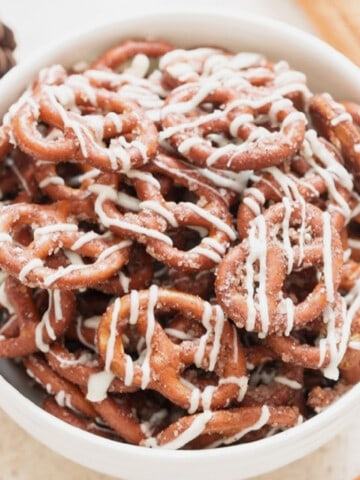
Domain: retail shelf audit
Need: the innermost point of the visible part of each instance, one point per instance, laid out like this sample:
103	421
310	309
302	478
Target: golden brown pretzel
156	216
335	124
119	54
257	151
330	349
65	414
222	427
118	416
27	331
164	362
77	135
51	232
264	309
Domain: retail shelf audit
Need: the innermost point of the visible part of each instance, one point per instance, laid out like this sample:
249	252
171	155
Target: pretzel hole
299	284
70	172
198	377
181	328
263	374
23	234
186	238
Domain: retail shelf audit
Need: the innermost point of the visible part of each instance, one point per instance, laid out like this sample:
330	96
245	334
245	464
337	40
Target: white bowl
327	70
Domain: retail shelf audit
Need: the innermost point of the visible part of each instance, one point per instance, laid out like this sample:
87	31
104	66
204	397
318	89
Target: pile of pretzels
180	245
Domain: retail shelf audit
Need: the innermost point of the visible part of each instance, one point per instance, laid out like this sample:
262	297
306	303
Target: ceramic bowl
327	70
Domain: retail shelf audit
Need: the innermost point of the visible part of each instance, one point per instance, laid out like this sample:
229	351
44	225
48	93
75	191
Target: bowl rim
33	63
98	28
276	441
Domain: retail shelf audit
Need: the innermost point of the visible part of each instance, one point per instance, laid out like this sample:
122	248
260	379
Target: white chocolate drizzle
28	267
193	431
288	382
261	422
327	257
146	368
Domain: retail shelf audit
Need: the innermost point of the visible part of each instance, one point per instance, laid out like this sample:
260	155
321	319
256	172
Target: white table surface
36	24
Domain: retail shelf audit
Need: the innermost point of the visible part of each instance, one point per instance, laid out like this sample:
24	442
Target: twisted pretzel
78	140
27	330
264	309
157	215
273	185
328	354
65	393
162	367
127	50
87	424
258	149
120	187
119	417
27	262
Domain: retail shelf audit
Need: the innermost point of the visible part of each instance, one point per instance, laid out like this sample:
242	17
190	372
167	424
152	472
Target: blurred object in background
338	23
7	46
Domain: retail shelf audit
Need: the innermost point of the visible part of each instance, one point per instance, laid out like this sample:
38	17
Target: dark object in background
7	46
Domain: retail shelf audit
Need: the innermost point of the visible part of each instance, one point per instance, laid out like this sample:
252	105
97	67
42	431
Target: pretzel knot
26	330
86	119
188	127
289	237
273	184
330	348
160	369
156	216
52	231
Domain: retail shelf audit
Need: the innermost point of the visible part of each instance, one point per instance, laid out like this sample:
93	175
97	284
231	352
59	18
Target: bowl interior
327	70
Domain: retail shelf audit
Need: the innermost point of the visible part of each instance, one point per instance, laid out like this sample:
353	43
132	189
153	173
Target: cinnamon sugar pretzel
179	245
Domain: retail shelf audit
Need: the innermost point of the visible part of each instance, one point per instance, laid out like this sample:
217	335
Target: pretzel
328	354
77	139
222	427
87	424
320	398
156	216
27	330
273	185
125	289
119	417
282	386
259	148
55	186
269	311
65	393
162	371
82	367
350	363
335	124
354	110
116	56
29	266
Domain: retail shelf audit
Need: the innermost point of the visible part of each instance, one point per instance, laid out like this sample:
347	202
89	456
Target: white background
36	24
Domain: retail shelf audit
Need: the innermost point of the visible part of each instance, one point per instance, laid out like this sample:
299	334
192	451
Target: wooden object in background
338	23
